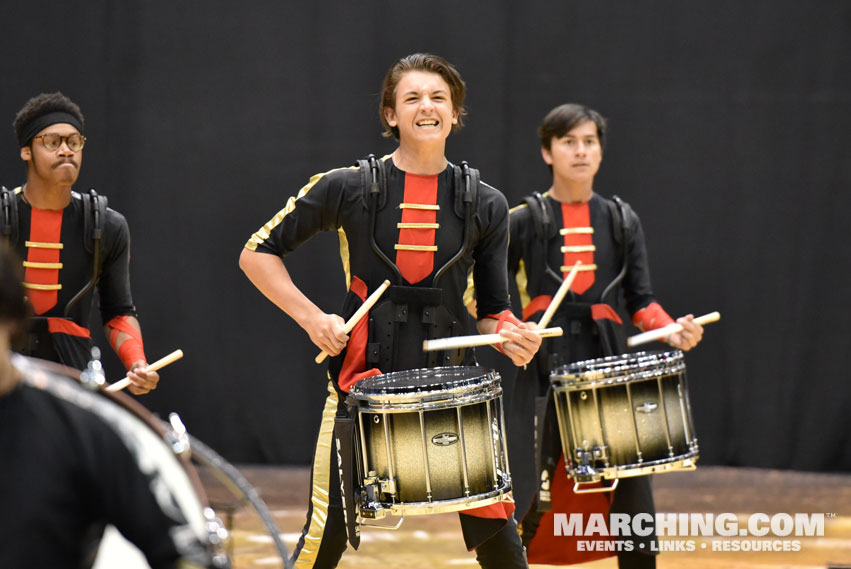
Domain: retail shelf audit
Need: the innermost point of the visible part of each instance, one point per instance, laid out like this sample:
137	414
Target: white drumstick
660	333
364	308
160	363
560	294
457	342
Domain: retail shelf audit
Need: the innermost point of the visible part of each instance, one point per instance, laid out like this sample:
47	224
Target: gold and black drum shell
630	412
437	434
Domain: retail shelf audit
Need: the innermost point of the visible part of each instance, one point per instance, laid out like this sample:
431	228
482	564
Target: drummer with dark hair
550	232
422	223
66	472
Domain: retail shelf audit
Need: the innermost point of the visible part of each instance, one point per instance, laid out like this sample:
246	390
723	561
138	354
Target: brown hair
421	62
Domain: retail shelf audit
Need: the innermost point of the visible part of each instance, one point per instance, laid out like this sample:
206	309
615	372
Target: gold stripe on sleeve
344	256
264	232
522	282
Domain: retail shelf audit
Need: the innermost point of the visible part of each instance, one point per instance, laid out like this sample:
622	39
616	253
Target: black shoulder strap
623	226
94	219
373	180
542	215
623	219
8	216
466	188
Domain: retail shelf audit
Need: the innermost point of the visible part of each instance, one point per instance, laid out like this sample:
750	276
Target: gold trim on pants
321	482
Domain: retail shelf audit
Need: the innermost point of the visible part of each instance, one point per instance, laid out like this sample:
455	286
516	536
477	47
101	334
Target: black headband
41	122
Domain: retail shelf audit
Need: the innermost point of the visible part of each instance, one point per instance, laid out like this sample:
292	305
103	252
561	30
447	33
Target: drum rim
446	506
630	366
682	462
484	385
51	376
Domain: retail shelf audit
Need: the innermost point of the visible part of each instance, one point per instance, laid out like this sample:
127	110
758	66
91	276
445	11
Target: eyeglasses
53	141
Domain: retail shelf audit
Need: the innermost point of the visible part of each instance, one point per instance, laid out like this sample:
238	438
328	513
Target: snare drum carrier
429	439
580	319
407	315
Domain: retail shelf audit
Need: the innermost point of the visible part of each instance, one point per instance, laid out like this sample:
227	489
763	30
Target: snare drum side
624	415
433	451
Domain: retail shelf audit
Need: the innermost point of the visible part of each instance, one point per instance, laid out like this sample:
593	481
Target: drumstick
659	333
480	340
364	308
160	363
560	294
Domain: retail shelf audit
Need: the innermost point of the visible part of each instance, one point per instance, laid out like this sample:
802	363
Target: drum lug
218	533
177	436
372	491
388	487
584	457
93	376
585	472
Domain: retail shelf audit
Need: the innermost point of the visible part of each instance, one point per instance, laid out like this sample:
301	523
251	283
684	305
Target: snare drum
626	415
430	441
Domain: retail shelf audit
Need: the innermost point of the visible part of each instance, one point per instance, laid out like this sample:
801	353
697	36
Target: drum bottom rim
683	462
442	506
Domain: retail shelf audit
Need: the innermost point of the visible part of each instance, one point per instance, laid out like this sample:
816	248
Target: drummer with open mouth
422	223
550	233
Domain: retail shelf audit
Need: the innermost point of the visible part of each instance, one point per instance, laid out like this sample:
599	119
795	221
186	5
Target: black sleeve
114	283
490	254
316	208
637	290
516	222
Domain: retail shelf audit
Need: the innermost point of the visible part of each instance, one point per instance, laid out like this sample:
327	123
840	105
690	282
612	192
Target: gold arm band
37	245
566	269
576	230
399	247
417	226
34	286
36	265
419	206
578	249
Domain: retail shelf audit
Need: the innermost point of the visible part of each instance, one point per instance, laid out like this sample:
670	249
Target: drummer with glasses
422	223
75	250
550	233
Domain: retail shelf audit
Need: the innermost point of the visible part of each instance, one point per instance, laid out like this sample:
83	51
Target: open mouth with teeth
428	122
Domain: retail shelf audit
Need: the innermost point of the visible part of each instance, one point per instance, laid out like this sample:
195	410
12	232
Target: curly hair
41	105
13	307
421	62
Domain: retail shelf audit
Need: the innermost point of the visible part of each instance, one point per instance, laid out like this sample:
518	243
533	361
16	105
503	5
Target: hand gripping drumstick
480	340
560	294
659	333
160	363
364	308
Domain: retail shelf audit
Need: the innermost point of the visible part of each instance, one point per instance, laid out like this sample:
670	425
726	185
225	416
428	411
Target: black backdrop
729	134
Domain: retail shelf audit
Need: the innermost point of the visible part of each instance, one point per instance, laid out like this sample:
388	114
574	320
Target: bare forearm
271	277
